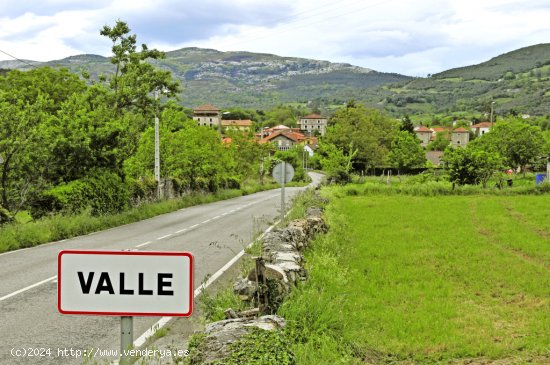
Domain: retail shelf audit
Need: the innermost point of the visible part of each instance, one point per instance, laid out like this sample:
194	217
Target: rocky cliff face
243	78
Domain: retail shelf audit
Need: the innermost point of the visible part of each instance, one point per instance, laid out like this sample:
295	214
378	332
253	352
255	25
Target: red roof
207	108
423	129
440	129
483	125
460	130
293	136
313	116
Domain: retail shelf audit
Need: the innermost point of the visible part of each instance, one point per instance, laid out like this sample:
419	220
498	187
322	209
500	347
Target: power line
18	59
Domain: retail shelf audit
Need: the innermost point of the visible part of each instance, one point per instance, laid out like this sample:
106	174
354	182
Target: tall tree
406	151
369	130
135	78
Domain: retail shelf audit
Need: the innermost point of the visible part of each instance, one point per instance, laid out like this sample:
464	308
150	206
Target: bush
102	192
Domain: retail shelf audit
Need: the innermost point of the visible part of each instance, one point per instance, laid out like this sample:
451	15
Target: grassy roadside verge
58	227
404	279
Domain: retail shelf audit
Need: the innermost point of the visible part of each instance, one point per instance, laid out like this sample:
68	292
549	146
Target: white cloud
406	36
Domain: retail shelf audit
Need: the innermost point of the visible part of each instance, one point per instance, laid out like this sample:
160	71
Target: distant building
313	122
460	137
482	128
424	134
285	138
207	115
243	125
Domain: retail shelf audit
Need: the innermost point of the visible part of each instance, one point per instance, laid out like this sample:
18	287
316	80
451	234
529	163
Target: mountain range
517	81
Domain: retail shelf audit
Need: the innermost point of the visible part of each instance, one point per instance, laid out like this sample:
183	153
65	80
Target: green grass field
406	279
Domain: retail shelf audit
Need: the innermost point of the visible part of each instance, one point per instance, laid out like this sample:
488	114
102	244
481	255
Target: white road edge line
193	226
144	243
140	341
163	237
181	230
28	288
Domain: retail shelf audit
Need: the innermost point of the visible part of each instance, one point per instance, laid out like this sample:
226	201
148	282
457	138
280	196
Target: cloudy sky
413	37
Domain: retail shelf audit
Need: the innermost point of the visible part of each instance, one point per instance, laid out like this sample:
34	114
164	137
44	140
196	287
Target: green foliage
336	163
406	151
440	143
516	141
103	192
260	347
368	130
471	166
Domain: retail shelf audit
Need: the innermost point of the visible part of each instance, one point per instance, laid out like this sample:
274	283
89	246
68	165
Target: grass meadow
412	279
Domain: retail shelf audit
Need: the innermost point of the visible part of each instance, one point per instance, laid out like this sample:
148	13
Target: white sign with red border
125	283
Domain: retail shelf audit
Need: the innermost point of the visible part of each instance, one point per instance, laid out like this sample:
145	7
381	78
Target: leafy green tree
440	143
471	166
407	125
368	130
406	151
135	79
516	141
335	162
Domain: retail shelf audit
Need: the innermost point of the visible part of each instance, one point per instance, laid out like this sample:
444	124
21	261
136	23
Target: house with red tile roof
482	128
424	134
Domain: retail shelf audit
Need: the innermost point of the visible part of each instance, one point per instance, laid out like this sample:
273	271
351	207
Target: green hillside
517	82
245	79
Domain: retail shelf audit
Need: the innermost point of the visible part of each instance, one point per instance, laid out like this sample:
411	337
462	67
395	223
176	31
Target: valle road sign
125	283
278	172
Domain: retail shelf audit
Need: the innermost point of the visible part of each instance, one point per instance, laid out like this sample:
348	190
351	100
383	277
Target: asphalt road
29	321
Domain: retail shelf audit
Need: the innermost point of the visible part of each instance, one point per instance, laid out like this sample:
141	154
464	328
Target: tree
336	163
516	141
368	130
406	151
471	166
407	125
440	142
135	80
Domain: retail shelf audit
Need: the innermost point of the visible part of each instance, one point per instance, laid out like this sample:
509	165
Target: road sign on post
125	283
283	173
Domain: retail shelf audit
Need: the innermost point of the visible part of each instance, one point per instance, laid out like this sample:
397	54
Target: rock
220	335
245	288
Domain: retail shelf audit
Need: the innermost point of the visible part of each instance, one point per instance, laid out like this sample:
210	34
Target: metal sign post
283	173
126	338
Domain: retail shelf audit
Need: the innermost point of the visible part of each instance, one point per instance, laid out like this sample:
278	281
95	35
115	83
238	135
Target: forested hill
246	79
517	82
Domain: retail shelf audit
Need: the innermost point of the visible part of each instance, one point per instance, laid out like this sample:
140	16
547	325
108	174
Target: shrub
102	191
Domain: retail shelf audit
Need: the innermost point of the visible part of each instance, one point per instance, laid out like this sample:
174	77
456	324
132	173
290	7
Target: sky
411	37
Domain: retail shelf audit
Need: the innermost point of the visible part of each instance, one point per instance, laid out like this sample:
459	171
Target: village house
424	134
482	128
460	137
207	115
285	138
313	123
242	125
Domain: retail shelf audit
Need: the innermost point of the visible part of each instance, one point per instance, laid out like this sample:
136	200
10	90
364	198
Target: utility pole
492	110
157	150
